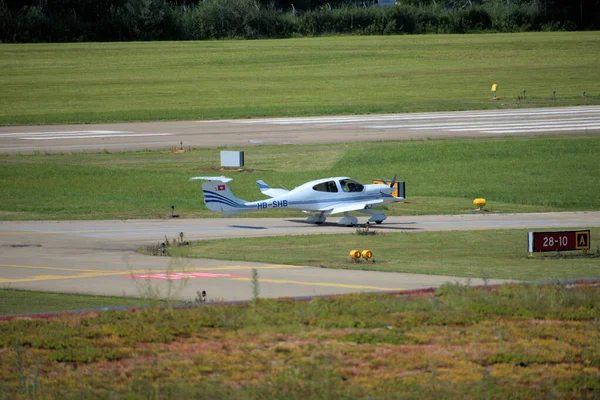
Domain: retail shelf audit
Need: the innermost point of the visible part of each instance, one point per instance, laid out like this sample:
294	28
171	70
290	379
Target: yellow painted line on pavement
94	273
141	271
48	232
66	232
52	268
340	285
18	233
269	266
225	268
38	278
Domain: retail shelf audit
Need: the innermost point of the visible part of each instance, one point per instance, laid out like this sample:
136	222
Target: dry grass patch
457	343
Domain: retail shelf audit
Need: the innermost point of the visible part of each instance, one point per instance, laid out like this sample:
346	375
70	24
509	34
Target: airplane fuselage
306	199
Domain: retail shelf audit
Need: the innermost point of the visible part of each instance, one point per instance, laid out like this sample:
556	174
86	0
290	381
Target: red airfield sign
558	241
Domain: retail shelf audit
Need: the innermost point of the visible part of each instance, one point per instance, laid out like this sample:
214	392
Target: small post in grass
494	89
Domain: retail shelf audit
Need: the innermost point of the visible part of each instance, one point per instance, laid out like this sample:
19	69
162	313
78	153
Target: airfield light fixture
479	203
367	254
494	89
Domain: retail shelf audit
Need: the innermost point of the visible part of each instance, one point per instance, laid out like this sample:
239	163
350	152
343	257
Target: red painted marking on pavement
178	276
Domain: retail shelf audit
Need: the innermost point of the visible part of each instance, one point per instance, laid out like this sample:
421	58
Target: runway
309	130
99	257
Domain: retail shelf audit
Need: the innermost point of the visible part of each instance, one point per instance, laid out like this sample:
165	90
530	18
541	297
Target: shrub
108	20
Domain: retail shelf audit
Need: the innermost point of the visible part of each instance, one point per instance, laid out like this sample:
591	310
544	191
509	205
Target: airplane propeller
393	181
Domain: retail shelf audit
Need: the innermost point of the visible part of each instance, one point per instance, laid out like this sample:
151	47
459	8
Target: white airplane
321	197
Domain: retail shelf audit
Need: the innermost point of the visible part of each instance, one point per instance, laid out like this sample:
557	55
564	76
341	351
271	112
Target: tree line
129	20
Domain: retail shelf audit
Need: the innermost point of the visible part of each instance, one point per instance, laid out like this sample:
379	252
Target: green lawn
500	254
522	174
91	82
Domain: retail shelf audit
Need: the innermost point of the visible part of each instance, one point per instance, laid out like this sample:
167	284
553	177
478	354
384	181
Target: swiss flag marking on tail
221	187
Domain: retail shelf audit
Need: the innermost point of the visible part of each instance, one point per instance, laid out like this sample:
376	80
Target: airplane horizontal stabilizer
223	179
269	191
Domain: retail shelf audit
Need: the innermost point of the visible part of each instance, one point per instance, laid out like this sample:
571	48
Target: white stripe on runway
79	146
429	116
565	129
525	127
62	133
484	124
94	136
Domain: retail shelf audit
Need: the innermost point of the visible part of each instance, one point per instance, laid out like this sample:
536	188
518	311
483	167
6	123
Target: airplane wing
345	207
268	190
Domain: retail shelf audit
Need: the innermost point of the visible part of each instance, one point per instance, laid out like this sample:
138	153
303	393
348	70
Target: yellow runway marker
340	285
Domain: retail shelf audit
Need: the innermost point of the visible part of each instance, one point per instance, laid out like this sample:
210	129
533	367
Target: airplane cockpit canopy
350	185
328	186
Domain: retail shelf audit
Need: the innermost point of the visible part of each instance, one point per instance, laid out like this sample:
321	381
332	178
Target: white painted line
522	127
412	117
580	128
62	133
478	127
94	136
80	146
484	124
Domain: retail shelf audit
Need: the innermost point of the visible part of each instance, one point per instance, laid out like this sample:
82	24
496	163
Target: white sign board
232	159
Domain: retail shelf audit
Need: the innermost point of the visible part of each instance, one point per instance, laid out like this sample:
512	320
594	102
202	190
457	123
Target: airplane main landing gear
348	220
376	216
317	218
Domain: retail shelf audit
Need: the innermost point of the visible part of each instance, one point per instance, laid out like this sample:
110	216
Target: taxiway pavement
99	257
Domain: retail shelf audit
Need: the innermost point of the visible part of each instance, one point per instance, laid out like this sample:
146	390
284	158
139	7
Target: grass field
521	341
442	176
92	82
500	254
531	342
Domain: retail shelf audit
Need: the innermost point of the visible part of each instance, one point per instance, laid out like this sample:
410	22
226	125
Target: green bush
110	20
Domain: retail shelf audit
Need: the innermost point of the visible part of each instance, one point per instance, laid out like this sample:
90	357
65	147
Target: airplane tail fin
218	197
